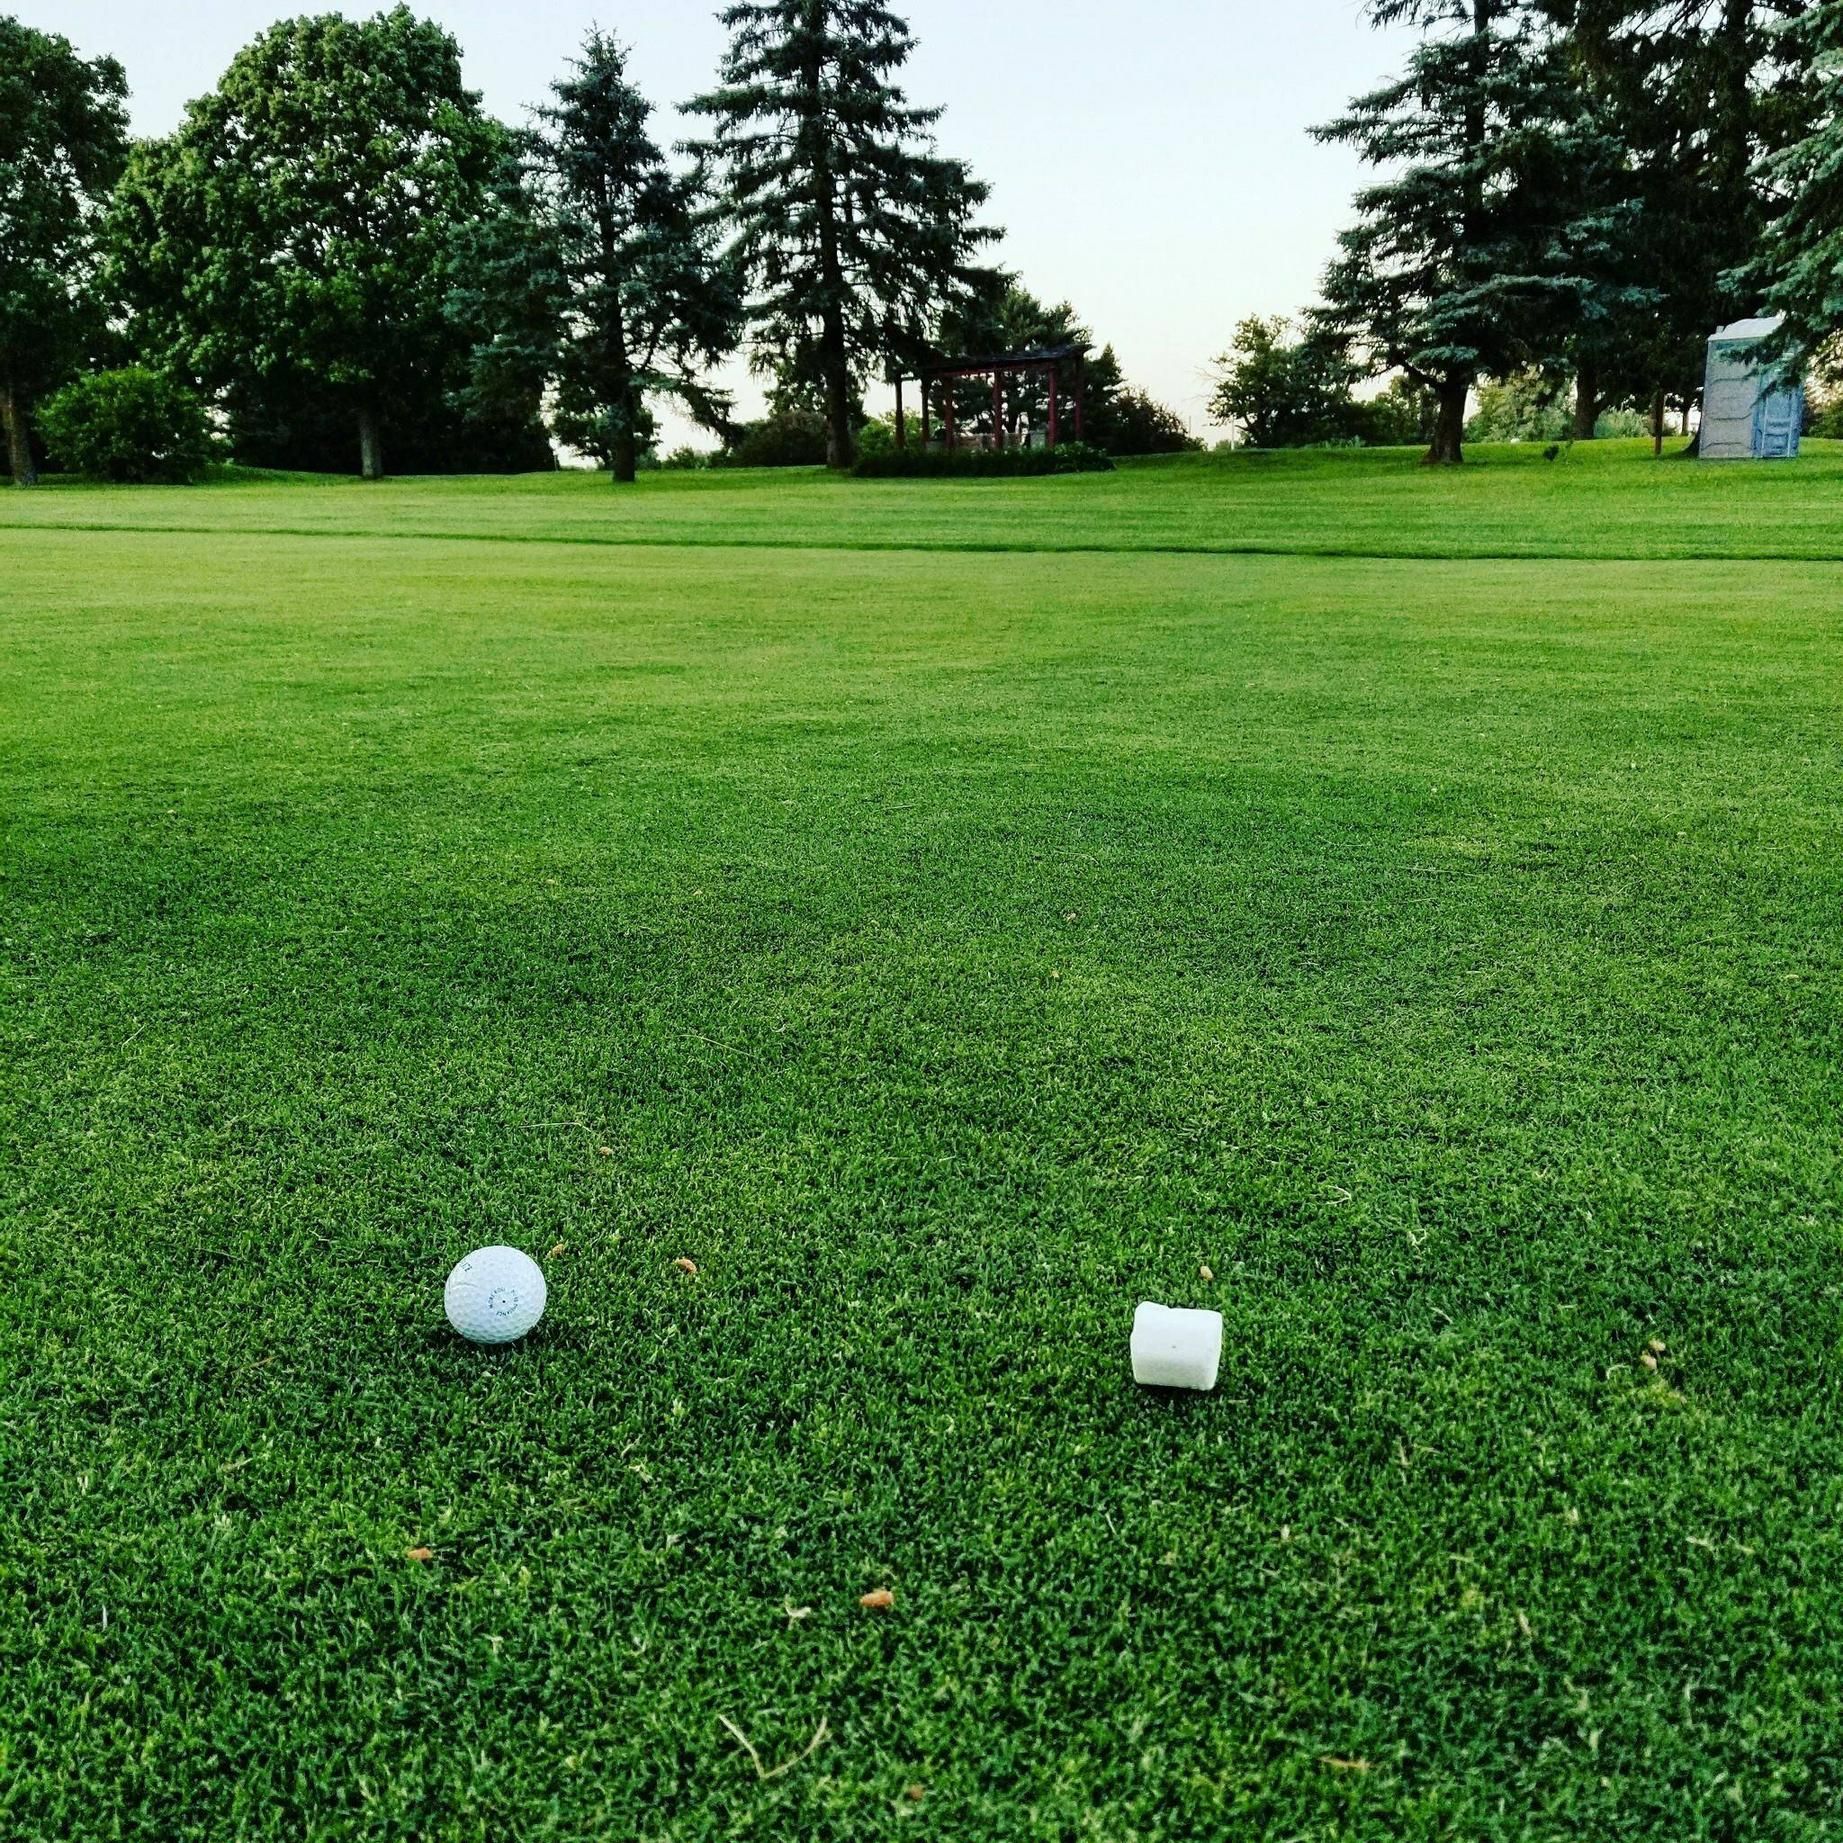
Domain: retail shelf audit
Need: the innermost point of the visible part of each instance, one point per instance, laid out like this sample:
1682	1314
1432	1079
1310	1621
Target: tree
1120	419
850	230
63	140
1697	93
648	302
1281	391
1402	416
1525	407
292	240
1457	266
1800	266
505	299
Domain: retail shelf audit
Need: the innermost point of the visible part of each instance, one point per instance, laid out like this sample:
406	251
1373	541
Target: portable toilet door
1777	422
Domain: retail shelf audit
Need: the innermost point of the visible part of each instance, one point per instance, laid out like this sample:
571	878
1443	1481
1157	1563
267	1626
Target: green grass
1606	499
962	910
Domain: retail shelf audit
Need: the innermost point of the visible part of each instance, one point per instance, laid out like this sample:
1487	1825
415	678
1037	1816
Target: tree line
340	258
1571	196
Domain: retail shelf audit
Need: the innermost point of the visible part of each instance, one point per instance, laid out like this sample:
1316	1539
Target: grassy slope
951	949
1604	500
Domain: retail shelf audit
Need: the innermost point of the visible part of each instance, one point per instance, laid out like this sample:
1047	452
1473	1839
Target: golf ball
495	1295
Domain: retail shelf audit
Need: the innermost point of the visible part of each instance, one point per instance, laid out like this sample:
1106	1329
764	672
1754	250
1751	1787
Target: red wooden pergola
998	366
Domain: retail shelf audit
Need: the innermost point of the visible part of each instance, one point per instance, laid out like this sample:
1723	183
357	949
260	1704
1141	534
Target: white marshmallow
1176	1348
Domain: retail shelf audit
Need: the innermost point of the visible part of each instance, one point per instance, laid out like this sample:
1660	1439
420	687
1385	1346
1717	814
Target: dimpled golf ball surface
494	1296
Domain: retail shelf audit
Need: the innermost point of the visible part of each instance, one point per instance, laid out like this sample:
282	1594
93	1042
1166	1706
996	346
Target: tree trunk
1657	423
370	444
620	390
18	439
834	354
1448	448
1692	400
841	443
834	359
1586	400
624	463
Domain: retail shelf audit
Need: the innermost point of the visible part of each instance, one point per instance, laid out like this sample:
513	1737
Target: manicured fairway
942	943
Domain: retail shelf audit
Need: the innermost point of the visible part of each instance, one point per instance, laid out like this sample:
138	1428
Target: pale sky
1148	162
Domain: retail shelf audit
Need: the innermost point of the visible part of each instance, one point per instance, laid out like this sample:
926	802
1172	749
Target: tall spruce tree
1463	261
1607	320
504	300
1800	268
850	229
63	141
649	302
1698	93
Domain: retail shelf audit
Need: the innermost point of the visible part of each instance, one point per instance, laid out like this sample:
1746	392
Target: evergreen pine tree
1464	261
1800	267
1698	93
851	231
648	300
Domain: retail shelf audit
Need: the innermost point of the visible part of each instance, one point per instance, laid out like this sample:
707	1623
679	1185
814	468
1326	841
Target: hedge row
982	463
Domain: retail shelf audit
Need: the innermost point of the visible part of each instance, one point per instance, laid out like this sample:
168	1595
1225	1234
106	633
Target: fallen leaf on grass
419	1554
1648	1360
1207	1275
607	1151
1344	1766
556	1249
879	1599
916	1793
686	1266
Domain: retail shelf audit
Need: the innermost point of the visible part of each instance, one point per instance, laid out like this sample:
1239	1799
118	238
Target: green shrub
132	425
982	463
878	436
794	438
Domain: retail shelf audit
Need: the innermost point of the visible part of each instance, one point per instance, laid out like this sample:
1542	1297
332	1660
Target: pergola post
1055	430
947	416
902	427
1081	391
926	436
998	408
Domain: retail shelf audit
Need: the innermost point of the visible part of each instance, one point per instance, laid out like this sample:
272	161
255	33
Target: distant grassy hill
1602	499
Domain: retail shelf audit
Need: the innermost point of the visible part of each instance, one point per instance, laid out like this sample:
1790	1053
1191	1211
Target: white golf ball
495	1295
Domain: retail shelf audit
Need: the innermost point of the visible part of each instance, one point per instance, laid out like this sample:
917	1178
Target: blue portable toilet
1752	410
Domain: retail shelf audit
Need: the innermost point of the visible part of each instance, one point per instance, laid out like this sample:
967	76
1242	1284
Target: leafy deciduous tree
63	140
1281	391
293	238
